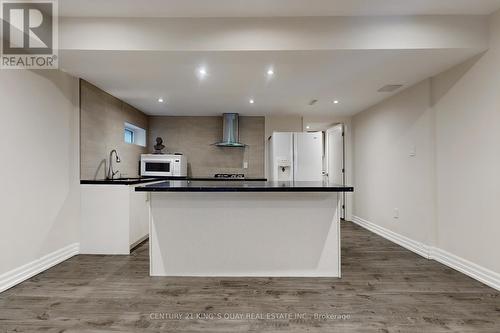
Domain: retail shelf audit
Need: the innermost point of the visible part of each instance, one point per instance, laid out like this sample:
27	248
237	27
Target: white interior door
308	156
335	154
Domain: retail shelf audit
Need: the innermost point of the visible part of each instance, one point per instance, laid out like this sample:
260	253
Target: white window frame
139	134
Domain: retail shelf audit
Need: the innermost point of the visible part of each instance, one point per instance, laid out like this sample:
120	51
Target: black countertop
120	181
241	186
143	180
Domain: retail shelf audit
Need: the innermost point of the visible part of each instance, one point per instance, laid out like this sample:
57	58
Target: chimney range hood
231	131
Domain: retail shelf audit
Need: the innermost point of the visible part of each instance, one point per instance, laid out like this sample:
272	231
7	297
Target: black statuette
159	146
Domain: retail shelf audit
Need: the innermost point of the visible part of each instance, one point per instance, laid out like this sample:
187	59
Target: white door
335	154
308	156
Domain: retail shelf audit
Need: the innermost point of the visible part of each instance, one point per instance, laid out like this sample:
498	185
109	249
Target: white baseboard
20	274
139	241
464	266
479	273
407	243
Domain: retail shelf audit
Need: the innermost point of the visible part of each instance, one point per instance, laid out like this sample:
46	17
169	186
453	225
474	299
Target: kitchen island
244	228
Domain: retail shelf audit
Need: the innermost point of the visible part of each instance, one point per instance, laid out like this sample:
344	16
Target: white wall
449	193
39	149
386	177
468	158
273	33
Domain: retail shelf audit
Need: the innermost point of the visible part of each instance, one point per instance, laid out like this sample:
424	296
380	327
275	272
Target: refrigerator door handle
294	155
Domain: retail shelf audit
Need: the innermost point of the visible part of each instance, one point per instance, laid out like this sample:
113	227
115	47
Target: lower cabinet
114	218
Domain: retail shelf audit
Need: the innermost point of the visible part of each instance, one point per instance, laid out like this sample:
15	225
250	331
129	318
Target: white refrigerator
296	156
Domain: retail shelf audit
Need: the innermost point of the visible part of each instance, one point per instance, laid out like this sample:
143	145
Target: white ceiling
351	76
327	58
272	8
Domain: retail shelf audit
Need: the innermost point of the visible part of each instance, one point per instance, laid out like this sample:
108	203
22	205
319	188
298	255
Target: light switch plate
245	165
413	151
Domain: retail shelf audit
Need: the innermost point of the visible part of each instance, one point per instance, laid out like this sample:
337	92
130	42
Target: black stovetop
229	176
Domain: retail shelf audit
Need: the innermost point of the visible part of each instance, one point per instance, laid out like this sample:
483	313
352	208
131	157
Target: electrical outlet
245	165
396	213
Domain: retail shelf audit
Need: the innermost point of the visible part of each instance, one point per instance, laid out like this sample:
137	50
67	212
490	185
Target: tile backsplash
102	119
102	124
195	136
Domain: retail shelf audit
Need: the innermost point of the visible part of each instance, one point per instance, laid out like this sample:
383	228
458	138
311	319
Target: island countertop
242	186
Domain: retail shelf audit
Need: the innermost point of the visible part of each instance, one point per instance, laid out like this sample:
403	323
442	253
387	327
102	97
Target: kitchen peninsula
244	228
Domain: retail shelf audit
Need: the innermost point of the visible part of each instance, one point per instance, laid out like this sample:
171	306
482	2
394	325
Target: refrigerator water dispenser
284	169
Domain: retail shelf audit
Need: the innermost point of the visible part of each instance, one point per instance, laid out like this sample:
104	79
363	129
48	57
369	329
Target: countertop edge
114	182
249	189
158	179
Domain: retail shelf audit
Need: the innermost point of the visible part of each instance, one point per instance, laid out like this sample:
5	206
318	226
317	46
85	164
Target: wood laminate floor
384	288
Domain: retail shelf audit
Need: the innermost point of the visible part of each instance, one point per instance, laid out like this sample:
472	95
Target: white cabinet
115	218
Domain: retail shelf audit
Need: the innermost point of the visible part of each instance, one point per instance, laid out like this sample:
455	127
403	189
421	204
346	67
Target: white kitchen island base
286	234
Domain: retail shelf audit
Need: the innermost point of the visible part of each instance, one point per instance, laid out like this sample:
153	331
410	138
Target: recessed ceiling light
251	101
160	100
270	72
202	73
335	102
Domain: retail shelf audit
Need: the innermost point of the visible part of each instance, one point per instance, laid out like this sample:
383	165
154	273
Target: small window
135	135
129	135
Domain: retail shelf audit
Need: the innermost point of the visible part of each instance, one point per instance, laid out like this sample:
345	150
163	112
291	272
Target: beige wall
194	137
449	193
102	130
283	124
40	197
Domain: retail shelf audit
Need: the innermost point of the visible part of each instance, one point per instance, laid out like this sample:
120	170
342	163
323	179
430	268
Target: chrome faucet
111	173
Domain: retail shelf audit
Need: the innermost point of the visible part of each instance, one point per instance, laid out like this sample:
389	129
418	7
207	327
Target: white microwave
157	165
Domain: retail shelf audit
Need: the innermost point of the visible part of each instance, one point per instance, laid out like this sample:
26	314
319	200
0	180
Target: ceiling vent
390	88
312	102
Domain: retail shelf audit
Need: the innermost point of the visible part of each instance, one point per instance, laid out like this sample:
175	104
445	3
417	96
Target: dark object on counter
159	146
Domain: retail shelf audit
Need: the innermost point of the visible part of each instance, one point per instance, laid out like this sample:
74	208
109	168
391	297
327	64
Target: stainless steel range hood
231	131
